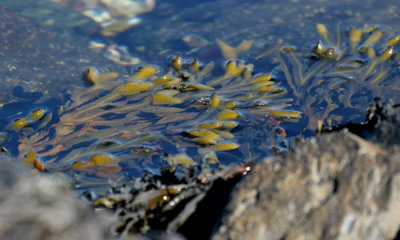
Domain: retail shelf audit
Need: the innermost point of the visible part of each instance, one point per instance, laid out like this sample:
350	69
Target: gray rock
43	207
337	186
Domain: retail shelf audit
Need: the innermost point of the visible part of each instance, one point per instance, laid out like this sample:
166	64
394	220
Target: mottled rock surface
337	186
41	207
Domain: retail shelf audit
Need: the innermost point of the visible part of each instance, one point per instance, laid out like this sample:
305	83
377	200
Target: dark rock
165	207
337	186
154	235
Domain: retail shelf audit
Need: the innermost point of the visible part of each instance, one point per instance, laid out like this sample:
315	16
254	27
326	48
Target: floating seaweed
184	116
338	76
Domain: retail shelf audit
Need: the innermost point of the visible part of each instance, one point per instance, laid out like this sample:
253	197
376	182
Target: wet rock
337	186
169	207
38	61
155	235
262	21
43	207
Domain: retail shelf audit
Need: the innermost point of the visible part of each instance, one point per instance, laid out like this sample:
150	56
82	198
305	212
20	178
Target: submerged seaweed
164	130
334	81
123	125
192	114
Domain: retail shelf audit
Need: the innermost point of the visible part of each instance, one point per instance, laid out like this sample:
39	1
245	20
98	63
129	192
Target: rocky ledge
42	207
336	186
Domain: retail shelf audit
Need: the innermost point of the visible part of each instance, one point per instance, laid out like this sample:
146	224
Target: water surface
133	134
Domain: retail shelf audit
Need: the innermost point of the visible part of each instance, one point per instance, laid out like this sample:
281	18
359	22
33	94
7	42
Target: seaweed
190	115
337	78
168	137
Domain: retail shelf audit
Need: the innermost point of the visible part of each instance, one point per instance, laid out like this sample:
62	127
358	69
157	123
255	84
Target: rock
337	186
44	207
35	60
262	21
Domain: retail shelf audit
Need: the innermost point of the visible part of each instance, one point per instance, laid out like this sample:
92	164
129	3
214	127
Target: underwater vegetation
163	130
191	114
121	126
341	73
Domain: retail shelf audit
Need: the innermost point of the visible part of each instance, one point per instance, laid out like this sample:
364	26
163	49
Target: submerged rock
337	186
188	26
36	61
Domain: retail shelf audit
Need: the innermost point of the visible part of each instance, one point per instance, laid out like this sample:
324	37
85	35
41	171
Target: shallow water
142	135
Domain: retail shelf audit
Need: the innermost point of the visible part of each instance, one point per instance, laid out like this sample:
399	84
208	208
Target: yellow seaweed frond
135	87
93	76
323	32
285	114
227	114
262	78
225	146
183	159
145	71
230	52
166	97
20	123
204	133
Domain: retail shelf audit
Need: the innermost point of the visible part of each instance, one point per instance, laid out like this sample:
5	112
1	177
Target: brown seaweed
185	107
335	74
